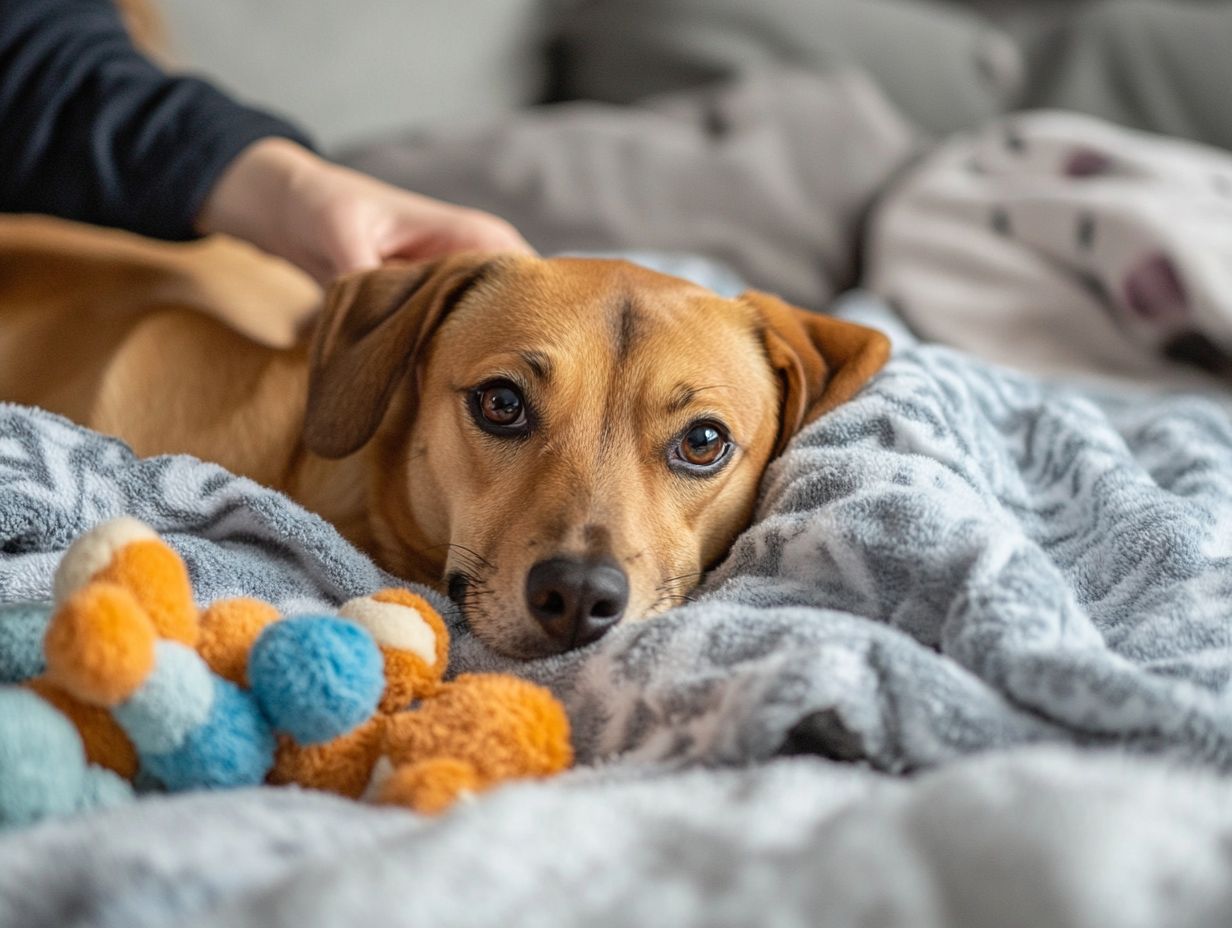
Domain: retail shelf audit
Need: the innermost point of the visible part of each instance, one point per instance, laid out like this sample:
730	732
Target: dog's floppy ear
821	361
375	324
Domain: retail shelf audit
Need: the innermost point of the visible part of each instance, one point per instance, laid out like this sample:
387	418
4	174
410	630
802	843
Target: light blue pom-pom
234	747
173	700
22	626
42	761
104	789
316	677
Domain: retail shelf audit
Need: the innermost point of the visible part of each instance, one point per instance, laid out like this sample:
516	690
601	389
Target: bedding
1067	246
238	538
969	666
944	66
961	561
772	173
1031	838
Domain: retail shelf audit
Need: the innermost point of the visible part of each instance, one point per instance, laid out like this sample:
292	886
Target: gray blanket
238	538
959	560
1022	840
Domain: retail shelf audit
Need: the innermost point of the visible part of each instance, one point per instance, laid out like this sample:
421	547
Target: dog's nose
576	601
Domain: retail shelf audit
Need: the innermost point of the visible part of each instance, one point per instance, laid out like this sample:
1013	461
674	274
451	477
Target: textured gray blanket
958	560
238	538
1039	839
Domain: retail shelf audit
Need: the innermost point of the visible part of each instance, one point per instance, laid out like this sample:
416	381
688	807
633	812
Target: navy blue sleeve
92	130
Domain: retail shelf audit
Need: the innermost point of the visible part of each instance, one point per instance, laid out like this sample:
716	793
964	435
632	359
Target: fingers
450	229
330	220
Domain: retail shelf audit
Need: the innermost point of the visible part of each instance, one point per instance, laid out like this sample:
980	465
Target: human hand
330	220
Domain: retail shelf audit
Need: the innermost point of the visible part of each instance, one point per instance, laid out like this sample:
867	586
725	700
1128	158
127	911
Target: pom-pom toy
119	662
122	676
461	737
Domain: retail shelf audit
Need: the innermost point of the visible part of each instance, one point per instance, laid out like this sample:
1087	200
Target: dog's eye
703	448
501	405
498	408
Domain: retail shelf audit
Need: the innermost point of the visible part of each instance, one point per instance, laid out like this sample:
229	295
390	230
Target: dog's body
563	442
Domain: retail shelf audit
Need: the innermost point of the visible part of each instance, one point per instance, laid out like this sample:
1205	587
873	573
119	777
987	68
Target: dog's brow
453	296
626	329
684	394
540	365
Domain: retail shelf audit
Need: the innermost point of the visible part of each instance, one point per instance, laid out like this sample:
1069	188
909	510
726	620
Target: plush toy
461	737
127	660
123	677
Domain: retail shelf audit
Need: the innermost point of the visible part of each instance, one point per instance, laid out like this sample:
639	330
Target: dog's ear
374	326
821	361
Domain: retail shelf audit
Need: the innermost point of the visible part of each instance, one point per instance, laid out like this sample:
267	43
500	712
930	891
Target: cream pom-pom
393	625
93	551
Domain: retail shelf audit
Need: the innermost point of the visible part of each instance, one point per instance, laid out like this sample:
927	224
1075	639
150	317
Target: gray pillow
350	70
772	173
1159	66
944	66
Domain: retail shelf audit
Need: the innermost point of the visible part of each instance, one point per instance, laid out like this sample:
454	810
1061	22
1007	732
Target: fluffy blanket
238	538
961	559
1022	840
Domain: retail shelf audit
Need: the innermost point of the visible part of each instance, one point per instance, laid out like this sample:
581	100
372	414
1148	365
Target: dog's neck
364	496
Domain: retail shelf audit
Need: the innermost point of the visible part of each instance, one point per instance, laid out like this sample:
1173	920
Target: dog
561	443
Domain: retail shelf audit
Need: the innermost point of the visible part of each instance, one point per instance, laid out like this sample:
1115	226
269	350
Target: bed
970	664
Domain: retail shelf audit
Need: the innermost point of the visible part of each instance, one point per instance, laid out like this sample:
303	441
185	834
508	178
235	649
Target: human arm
91	130
330	220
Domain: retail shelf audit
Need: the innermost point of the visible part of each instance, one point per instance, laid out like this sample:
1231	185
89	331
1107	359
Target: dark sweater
92	130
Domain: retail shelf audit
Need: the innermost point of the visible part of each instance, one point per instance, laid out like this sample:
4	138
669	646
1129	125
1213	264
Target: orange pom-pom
104	740
430	786
407	678
341	766
100	645
229	628
504	726
156	576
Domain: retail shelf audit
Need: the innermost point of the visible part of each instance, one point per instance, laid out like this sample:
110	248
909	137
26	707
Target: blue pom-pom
22	626
175	699
235	746
316	677
42	762
104	789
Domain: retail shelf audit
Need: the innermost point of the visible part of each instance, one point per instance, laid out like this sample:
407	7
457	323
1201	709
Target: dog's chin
511	639
524	648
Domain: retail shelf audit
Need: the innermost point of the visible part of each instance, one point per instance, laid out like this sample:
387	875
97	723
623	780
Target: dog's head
565	443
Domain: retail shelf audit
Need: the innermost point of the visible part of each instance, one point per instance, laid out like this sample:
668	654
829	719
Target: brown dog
563	443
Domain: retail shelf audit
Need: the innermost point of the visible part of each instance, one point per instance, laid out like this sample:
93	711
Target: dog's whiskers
674	591
467	590
468	556
474	555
